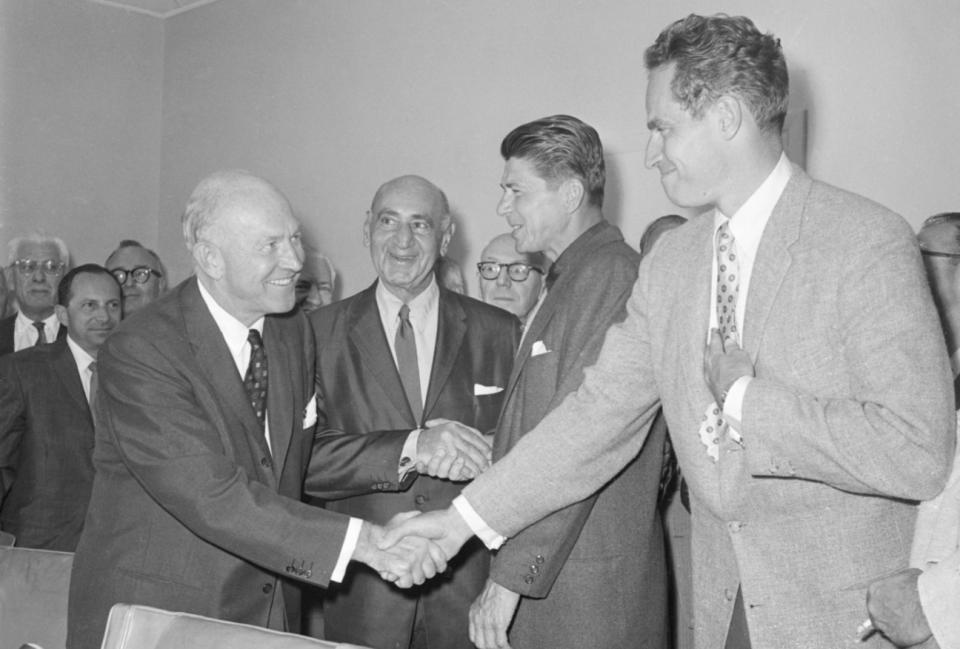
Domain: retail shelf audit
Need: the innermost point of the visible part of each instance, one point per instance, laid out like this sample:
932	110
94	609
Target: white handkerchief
480	390
538	349
310	412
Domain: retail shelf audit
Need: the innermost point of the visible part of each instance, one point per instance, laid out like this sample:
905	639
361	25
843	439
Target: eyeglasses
517	271
140	274
30	266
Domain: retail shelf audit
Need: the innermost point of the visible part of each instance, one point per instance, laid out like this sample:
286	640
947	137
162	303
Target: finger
458	469
395	533
480	456
443	465
438	555
433	465
474	628
401	517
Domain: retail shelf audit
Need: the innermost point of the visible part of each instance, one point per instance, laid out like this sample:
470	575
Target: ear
573	193
208	259
446	236
366	229
729	115
62	315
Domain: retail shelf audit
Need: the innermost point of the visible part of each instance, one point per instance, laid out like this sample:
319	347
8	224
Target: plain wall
80	126
328	99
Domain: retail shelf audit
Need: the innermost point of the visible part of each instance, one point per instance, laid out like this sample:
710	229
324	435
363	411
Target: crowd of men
242	439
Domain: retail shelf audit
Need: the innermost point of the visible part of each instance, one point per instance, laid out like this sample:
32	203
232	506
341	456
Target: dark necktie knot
41	332
255	380
552	275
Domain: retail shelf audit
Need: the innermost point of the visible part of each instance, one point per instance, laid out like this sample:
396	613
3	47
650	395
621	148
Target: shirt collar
420	306
80	355
233	331
748	222
51	322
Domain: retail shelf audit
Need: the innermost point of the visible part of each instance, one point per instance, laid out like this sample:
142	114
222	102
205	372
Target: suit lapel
66	370
774	258
216	364
281	395
369	339
451	330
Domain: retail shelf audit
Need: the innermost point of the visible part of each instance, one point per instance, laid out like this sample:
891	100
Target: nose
404	234
654	151
39	276
128	280
291	254
503	207
503	279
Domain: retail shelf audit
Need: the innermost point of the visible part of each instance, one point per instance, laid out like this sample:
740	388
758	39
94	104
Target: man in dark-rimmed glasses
37	262
140	273
510	279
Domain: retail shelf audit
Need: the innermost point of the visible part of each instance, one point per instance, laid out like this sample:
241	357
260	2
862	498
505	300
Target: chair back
34	585
143	627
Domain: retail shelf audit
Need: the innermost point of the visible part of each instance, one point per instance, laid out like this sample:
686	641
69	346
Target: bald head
412	184
516	296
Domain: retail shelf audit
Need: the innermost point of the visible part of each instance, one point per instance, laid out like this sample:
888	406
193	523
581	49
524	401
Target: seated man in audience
37	263
140	273
920	607
390	359
205	416
46	429
317	282
510	279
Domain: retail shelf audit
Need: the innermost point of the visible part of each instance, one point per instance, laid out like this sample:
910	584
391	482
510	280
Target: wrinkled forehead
131	257
410	200
38	251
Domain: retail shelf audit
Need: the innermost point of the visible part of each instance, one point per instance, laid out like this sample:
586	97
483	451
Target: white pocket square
480	390
538	349
310	412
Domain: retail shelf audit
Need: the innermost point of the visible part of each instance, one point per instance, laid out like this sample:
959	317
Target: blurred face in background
516	296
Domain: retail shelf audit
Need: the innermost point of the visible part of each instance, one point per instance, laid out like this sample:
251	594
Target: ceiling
156	8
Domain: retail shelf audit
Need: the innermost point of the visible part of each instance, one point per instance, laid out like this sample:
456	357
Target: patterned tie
712	426
406	347
41	333
255	380
94	383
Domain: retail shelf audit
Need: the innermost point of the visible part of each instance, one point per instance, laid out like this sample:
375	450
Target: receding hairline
222	190
412	181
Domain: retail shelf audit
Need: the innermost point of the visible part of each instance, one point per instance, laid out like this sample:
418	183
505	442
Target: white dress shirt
235	334
25	334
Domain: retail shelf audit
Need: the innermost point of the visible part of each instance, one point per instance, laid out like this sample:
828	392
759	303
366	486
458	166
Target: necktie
712	426
255	380
41	333
94	383
406	347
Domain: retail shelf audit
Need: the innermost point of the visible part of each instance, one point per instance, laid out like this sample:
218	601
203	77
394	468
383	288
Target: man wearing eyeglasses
566	580
510	279
140	273
37	263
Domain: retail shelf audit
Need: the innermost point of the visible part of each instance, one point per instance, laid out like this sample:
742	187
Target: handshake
413	547
452	451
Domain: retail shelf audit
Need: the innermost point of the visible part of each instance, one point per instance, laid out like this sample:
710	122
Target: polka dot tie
255	380
712	426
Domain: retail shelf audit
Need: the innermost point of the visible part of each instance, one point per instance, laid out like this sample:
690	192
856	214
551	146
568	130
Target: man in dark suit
790	336
392	358
37	262
566	580
46	430
204	434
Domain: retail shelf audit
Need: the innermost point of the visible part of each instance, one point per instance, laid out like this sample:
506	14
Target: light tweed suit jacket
849	418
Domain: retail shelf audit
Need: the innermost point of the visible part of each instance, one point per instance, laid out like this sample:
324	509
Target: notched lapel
774	258
65	369
451	331
281	394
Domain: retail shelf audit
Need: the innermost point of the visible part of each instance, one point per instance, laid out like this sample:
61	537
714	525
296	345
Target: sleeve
169	428
891	433
939	588
12	423
547	543
585	441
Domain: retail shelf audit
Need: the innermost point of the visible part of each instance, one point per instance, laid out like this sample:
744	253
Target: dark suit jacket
190	511
588	563
6	334
359	390
46	448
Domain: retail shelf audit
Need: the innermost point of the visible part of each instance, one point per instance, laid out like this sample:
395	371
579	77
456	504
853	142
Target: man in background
37	262
46	429
390	359
920	606
791	338
205	417
317	282
510	279
140	273
568	580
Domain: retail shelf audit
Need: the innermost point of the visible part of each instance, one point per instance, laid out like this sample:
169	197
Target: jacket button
528	579
308	573
420	500
268	588
265	462
535	569
540	559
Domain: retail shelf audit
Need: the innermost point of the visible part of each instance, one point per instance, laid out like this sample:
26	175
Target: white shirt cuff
733	406
408	454
477	525
346	551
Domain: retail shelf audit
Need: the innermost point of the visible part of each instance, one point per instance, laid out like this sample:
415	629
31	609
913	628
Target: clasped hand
406	561
452	451
896	612
723	363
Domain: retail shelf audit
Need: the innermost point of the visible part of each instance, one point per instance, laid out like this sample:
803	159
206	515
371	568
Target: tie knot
92	367
253	337
405	313
40	325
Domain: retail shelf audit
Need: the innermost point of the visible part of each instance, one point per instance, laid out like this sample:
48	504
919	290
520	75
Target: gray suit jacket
46	448
587	563
849	418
